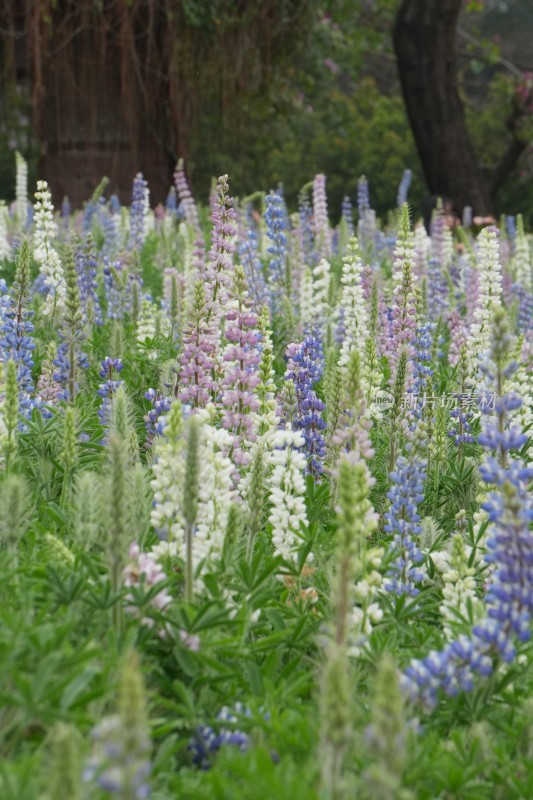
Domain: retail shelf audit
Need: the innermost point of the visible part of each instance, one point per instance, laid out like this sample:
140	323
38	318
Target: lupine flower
460	601
240	380
304	368
353	304
5	246
403	520
220	259
70	358
521	263
286	492
186	200
140	209
251	262
305	230
462	413
267	420
86	267
21	192
404	297
47	387
439	263
277	250
144	572
108	368
421	387
199	361
320	301
160	407
16	327
403	188
151	324
45	253
320	212
489	292
167	485
347	216
120	764
207	741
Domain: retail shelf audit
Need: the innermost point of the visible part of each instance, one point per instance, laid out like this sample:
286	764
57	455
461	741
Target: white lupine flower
287	488
367	612
167	485
353	304
489	292
521	264
151	323
320	300
422	244
215	495
5	247
44	251
306	297
21	192
459	590
522	383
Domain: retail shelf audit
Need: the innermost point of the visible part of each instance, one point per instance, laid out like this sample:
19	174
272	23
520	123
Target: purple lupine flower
139	211
403	188
186	199
199	360
458	334
218	273
403	520
241	360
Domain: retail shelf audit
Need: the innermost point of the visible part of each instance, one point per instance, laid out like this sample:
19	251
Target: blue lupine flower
207	740
403	188
63	371
86	267
160	407
305	212
347	215
253	269
16	327
139	210
304	368
276	227
403	520
106	390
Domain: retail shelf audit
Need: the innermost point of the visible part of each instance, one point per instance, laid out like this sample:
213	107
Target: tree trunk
424	42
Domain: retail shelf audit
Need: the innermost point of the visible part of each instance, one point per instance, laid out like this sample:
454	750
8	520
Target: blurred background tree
269	91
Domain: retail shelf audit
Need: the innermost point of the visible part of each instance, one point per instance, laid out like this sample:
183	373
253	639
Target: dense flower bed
265	500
